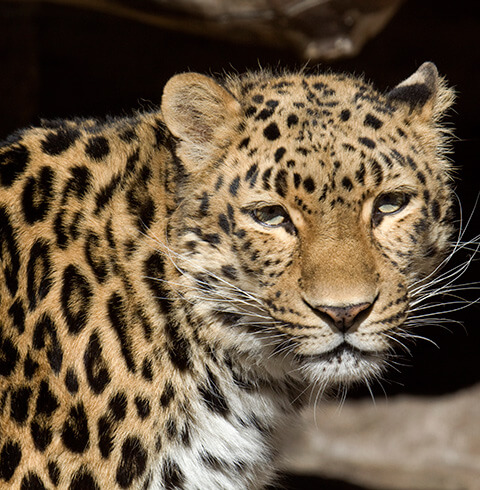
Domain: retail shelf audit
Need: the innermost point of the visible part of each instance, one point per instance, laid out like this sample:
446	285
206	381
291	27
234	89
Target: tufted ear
201	114
424	92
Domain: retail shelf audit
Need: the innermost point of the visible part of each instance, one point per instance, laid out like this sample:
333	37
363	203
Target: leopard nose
343	316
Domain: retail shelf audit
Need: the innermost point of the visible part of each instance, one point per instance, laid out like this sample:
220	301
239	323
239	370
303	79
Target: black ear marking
418	89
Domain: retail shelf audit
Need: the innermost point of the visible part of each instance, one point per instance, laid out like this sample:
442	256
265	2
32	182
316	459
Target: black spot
17	313
345	115
105	436
39	271
8	355
297	180
178	348
57	142
360	174
10	457
105	194
154	272
31	481
250	111
412	163
367	142
171	428
204	204
212	396
71	381
45	327
158	442
47	403
309	185
128	135
421	177
41	432
63	230
76	299
252	174
435	209
93	254
224	223
147	372
172	475
118	406
271	132
9	255
258	98
372	121
53	472
229	272
75	433
377	172
281	185
234	186
29	366
133	462
347	183
266	178
96	367
279	154
244	143
264	114
160	130
348	147
13	163
292	120
83	480
132	160
116	315
141	206
143	407
19	404
97	148
167	395
37	195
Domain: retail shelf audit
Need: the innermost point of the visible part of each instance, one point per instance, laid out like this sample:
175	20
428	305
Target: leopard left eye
273	215
389	203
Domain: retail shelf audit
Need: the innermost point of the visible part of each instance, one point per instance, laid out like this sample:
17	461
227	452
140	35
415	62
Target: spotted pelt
174	286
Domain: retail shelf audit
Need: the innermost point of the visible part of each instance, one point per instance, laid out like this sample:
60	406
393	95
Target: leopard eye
390	203
273	215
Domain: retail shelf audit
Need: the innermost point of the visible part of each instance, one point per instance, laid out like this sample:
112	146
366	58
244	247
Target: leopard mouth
345	352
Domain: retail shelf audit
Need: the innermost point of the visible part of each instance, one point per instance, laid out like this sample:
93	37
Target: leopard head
310	210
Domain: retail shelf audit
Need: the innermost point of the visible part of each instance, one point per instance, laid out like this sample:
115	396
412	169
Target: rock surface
405	443
315	29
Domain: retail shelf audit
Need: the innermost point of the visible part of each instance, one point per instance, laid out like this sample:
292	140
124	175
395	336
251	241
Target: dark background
60	62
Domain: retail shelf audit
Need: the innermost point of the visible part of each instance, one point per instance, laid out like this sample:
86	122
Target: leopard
178	283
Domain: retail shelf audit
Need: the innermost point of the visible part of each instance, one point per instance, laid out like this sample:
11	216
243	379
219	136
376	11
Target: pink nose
343	316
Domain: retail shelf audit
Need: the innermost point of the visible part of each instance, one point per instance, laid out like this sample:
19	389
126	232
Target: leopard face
329	208
172	284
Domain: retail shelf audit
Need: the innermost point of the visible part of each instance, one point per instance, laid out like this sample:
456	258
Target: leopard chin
344	366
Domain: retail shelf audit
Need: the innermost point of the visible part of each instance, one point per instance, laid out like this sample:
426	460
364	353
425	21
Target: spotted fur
174	284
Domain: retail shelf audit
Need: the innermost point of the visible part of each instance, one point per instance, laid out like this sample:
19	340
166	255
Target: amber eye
389	203
271	215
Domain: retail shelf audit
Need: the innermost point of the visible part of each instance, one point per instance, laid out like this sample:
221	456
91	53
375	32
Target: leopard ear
424	92
201	114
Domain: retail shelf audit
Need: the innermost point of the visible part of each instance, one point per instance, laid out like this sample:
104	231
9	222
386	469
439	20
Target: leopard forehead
329	137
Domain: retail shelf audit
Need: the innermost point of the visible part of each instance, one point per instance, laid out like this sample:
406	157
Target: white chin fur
343	368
